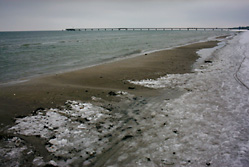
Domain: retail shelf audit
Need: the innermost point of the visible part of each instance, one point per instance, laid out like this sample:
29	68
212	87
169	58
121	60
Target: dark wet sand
51	91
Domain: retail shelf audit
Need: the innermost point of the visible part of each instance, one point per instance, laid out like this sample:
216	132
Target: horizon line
235	27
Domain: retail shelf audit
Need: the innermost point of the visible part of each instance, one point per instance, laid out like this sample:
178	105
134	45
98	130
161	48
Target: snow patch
70	130
74	132
210	120
13	151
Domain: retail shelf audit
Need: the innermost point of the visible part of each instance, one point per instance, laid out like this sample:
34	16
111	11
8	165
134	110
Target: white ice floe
210	119
82	110
40	125
75	131
45	123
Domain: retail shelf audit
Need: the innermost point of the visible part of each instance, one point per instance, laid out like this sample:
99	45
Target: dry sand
51	91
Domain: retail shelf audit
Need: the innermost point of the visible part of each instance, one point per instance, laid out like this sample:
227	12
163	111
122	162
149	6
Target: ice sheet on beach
73	131
212	116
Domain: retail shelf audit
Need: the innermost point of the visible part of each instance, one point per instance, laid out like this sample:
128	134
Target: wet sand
52	91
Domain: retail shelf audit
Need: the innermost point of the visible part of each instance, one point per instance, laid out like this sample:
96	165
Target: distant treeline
241	28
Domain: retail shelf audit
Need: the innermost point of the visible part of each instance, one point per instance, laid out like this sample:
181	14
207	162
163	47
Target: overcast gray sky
19	15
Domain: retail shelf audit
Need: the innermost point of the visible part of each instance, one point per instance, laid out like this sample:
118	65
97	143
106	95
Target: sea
24	55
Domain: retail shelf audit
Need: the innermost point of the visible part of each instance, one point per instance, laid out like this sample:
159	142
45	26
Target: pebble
153	114
175	131
208	163
52	162
86	163
127	137
111	93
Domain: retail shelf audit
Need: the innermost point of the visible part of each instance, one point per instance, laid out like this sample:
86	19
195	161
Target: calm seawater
28	54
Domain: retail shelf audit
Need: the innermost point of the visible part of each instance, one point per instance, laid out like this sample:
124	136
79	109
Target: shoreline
97	81
195	118
27	79
126	116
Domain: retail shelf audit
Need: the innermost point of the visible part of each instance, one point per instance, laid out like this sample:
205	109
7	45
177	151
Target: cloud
59	14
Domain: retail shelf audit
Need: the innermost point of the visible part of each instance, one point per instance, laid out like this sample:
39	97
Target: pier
148	29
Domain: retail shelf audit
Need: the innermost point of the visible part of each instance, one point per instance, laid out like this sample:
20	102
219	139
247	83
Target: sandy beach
99	82
52	91
139	83
151	110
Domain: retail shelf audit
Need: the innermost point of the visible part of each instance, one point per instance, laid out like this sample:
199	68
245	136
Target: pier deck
146	29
